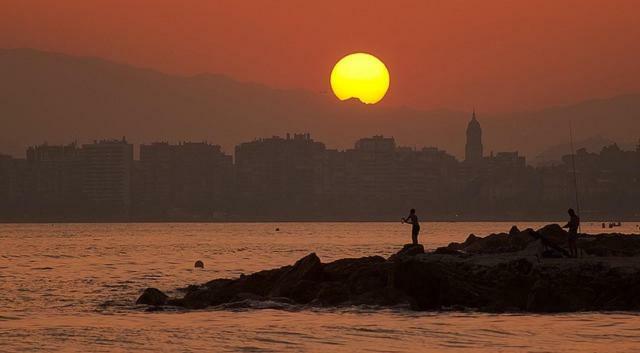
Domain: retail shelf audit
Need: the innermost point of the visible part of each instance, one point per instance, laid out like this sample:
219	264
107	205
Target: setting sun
362	76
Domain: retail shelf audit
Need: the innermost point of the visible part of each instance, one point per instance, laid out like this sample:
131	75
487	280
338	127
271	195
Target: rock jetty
519	271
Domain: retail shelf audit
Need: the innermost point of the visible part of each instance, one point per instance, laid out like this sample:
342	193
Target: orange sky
497	55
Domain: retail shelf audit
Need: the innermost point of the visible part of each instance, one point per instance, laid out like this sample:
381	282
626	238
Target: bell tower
473	148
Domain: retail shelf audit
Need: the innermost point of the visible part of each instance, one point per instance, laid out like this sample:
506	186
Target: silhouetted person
415	225
574	223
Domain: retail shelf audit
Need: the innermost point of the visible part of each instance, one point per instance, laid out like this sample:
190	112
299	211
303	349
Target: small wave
258	304
8	318
117	286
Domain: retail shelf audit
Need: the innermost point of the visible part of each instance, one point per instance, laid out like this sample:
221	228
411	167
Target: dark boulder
204	296
514	241
433	285
341	270
332	294
510	284
303	291
445	250
368	279
407	251
576	287
460	246
307	268
554	233
610	245
152	296
358	281
492	244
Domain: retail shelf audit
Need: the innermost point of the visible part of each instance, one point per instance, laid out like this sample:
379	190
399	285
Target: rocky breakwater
515	271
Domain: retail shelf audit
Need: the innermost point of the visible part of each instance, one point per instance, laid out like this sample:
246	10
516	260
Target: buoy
199	264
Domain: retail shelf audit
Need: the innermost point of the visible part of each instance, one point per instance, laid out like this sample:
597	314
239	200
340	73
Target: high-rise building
373	167
54	185
7	178
107	166
473	148
189	180
279	175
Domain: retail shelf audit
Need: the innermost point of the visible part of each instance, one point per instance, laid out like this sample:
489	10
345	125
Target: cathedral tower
473	148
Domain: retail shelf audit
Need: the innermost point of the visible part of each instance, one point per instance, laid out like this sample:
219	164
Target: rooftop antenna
573	164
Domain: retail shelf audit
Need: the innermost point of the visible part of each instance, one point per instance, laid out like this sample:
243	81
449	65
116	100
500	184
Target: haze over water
71	287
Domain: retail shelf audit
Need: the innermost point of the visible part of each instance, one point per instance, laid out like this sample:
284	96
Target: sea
73	287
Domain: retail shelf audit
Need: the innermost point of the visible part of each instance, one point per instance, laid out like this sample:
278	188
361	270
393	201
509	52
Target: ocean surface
72	287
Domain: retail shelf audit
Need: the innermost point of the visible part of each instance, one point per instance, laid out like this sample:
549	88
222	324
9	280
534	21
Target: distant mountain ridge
60	98
554	154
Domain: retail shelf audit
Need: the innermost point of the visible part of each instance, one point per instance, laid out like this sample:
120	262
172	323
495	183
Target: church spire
473	147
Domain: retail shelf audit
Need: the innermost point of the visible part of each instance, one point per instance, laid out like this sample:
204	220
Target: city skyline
295	177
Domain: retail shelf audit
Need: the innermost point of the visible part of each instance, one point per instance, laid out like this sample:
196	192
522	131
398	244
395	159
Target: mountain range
59	98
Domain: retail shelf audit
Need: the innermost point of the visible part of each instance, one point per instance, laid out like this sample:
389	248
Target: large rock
332	294
610	245
498	243
461	246
576	288
152	296
434	285
308	268
407	251
554	233
510	284
445	250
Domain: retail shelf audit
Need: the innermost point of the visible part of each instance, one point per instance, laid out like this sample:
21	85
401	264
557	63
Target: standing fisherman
415	225
574	223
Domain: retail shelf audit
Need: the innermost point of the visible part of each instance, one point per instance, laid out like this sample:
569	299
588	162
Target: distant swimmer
415	225
574	223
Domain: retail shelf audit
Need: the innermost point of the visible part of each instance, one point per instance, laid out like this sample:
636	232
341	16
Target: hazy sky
497	55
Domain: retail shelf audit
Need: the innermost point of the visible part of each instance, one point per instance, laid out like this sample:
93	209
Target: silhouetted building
12	198
54	184
425	179
187	180
506	183
107	166
372	169
473	148
505	163
377	177
279	176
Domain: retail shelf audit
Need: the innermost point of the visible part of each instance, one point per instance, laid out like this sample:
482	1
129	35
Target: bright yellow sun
362	76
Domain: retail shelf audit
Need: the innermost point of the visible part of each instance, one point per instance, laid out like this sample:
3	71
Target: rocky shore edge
519	271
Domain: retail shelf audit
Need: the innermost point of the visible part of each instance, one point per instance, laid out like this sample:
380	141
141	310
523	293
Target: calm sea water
72	287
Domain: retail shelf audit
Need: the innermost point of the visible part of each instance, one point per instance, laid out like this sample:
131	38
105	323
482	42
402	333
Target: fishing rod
573	164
